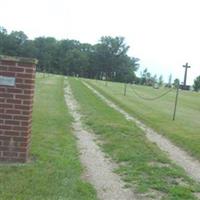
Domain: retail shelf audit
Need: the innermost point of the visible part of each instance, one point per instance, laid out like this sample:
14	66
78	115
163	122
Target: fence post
125	86
176	101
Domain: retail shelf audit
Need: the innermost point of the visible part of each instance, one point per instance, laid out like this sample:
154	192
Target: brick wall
16	108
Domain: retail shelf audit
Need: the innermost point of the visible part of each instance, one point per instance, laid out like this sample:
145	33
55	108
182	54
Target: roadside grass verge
141	163
55	171
184	131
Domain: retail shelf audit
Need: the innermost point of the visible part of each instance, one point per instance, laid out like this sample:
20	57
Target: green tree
3	39
176	82
111	56
14	43
45	53
160	80
197	84
169	84
154	79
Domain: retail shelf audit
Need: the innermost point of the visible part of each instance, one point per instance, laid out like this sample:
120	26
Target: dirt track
179	156
98	168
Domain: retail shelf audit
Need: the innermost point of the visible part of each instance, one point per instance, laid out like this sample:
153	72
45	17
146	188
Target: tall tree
111	57
176	82
3	39
196	85
160	80
46	48
14	43
169	81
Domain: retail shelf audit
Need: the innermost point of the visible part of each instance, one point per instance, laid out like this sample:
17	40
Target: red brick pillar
17	77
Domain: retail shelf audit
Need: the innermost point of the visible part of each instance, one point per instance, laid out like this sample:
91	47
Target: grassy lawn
141	162
158	114
54	173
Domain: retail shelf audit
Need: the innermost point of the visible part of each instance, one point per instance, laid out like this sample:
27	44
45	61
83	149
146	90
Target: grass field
142	164
184	131
54	173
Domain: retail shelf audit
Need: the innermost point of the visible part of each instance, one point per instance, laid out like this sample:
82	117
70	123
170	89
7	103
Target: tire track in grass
99	169
179	156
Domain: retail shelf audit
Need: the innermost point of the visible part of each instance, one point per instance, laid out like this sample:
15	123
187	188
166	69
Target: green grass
141	162
55	172
184	131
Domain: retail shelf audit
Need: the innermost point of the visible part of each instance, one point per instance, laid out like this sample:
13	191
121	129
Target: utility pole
186	66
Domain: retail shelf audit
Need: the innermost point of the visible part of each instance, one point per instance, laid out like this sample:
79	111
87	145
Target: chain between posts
160	96
151	99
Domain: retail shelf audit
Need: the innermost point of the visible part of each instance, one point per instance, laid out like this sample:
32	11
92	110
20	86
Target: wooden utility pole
186	66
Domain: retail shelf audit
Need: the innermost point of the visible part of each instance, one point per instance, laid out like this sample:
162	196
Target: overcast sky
164	34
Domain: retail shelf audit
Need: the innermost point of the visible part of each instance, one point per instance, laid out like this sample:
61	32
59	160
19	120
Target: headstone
17	80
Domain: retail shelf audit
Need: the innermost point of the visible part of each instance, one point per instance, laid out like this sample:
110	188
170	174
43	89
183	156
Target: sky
163	34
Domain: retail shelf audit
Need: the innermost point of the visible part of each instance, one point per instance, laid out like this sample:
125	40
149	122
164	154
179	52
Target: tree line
107	59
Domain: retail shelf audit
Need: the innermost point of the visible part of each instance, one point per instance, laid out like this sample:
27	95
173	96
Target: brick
32	71
25	123
16	69
4	148
21	139
6	127
3	105
5	138
20	117
3	68
14	112
19	80
21	150
25	86
5	95
10	154
14	101
29	91
2	110
5	73
12	133
2	89
24	97
22	155
22	64
12	122
2	100
14	90
25	75
29	81
8	63
23	107
27	102
27	112
4	116
20	128
23	144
